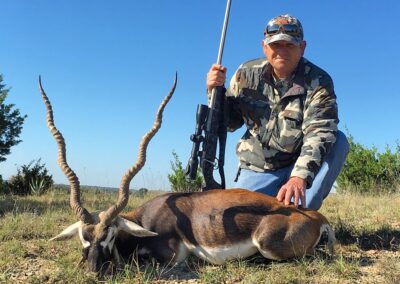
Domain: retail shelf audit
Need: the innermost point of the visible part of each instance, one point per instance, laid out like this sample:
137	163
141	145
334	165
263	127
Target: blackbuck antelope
216	225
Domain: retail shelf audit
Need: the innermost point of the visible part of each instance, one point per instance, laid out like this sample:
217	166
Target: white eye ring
109	241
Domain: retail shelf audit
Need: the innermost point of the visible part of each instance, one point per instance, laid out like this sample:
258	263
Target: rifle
211	120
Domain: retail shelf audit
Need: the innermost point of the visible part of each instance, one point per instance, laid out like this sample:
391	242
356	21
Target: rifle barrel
221	44
224	28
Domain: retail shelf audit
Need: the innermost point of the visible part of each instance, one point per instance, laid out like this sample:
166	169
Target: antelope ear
133	228
68	233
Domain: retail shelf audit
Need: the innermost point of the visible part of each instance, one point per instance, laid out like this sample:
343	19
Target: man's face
283	56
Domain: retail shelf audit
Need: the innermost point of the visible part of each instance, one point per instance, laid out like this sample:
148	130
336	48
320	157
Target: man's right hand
216	76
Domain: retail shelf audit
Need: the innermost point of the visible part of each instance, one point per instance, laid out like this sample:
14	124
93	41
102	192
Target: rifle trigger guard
215	164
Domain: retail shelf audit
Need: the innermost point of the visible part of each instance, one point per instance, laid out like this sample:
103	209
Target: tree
11	122
142	192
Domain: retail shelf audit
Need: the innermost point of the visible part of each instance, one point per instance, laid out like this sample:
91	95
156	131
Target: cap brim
284	37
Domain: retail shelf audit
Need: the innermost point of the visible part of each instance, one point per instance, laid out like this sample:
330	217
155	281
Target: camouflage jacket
297	127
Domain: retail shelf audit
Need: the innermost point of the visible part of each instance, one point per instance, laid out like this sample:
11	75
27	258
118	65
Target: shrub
367	170
142	192
178	180
30	179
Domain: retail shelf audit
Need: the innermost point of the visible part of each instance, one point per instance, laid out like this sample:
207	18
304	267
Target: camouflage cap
284	27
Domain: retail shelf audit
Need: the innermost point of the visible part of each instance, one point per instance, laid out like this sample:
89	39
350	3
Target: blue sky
106	65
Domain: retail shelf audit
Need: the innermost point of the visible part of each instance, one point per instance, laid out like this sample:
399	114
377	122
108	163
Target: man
292	148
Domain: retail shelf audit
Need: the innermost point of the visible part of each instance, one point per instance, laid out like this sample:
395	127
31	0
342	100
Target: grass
367	229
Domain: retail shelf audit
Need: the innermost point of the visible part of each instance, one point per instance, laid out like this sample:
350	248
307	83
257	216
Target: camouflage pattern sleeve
319	129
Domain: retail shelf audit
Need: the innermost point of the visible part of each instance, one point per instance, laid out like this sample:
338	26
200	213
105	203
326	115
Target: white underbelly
219	255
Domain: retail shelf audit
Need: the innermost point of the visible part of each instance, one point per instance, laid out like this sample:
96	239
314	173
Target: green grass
367	229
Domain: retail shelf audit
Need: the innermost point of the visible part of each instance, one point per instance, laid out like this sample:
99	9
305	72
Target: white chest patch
219	255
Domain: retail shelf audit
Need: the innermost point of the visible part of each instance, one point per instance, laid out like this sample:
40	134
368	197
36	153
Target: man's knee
314	203
342	144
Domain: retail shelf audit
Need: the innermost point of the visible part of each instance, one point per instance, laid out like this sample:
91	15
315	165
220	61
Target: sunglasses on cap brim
289	29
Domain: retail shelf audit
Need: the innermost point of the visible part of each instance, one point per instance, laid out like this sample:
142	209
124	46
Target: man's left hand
295	187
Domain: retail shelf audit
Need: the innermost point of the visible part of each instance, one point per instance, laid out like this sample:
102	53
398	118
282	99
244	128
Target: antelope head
97	231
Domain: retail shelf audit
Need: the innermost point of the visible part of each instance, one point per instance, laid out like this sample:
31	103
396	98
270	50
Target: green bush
30	179
178	180
367	170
